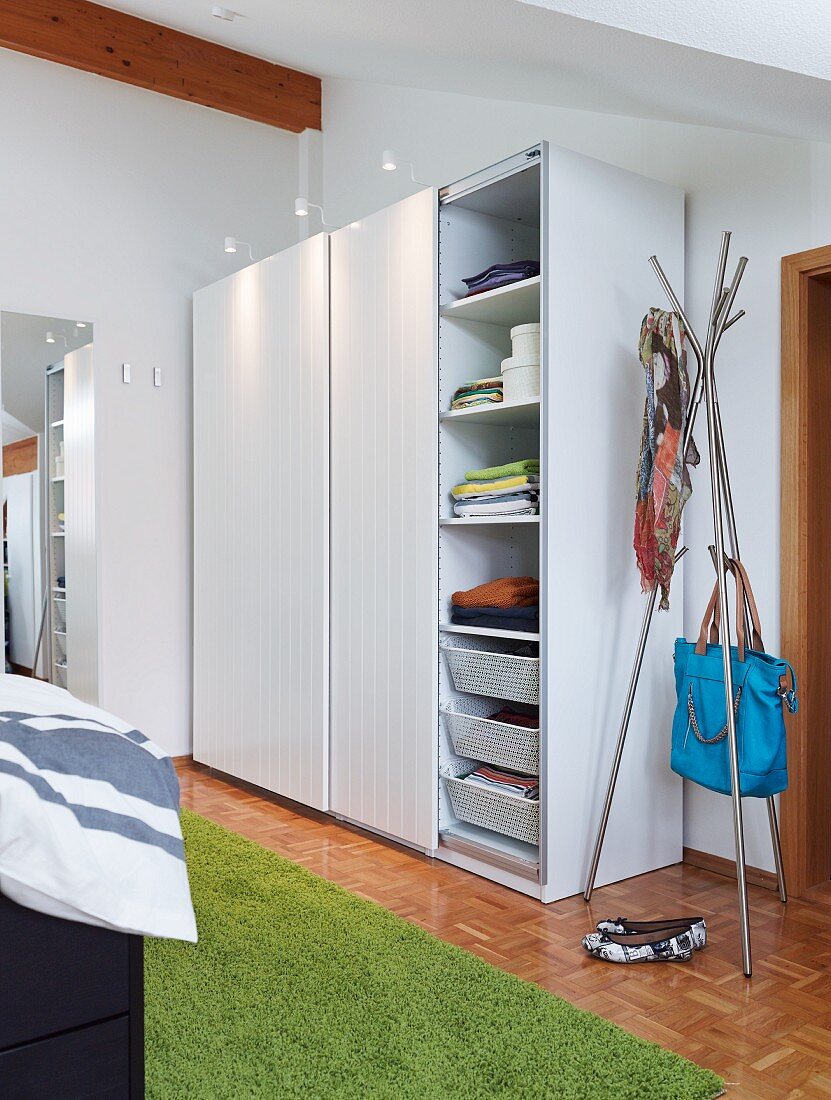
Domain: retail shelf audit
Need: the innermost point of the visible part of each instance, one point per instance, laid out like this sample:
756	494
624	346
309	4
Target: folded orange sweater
502	592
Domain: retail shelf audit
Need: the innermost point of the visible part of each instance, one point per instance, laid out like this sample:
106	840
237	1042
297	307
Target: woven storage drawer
483	667
478	737
525	340
508	814
520	378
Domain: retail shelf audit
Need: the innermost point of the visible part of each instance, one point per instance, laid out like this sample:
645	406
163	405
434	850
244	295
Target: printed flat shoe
633	947
623	926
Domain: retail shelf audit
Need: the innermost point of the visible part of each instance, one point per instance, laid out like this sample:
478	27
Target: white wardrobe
342	702
261	524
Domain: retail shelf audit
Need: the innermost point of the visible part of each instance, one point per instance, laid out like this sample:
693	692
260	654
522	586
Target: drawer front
57	974
92	1063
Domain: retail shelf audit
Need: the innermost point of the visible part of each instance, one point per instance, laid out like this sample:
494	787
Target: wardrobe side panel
80	538
384	524
209	443
603	224
261	481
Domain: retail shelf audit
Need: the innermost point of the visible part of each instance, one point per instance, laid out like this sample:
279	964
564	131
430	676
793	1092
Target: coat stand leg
720	305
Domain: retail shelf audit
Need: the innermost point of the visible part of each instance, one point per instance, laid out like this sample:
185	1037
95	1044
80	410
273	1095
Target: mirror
50	626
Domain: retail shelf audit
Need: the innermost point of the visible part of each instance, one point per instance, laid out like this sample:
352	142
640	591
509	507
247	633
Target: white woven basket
482	667
509	814
525	340
478	737
520	378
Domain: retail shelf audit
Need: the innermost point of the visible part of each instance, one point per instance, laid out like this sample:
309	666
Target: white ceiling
656	60
784	34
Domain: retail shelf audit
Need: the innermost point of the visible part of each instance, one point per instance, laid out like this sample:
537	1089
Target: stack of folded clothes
482	391
497	779
507	603
516	718
509	490
501	275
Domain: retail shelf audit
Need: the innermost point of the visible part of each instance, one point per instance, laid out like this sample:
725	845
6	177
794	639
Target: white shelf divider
508	414
515	304
489	632
485	521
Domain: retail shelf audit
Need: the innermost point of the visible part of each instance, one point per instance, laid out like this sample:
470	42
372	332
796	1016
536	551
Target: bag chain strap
722	733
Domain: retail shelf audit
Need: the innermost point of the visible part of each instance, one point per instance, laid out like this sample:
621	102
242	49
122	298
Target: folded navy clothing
531	612
498	618
501	274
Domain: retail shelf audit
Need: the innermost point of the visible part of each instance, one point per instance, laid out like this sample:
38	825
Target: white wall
114	204
772	192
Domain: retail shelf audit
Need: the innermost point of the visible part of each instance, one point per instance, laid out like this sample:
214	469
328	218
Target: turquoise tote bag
700	750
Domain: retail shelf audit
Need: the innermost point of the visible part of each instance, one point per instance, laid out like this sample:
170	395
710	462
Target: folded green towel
510	469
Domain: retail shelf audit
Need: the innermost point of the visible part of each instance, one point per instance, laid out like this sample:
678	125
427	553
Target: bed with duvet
91	861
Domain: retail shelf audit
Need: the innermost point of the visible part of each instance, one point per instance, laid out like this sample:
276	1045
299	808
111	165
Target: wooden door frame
805	553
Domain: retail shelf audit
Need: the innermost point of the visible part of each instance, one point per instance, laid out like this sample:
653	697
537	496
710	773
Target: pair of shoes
624	941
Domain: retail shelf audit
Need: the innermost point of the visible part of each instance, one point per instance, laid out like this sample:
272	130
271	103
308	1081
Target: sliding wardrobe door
384	523
261	523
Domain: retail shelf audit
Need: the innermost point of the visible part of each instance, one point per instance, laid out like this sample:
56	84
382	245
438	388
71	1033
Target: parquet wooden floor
769	1037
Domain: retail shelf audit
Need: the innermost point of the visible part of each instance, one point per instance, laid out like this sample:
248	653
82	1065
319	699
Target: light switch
125	372
157	376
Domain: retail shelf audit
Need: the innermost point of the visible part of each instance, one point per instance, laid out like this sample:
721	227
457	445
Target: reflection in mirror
50	625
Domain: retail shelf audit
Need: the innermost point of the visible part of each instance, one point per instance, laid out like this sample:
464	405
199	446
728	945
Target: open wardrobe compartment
475	408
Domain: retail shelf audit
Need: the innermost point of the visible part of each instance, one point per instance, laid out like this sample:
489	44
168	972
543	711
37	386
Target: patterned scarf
664	485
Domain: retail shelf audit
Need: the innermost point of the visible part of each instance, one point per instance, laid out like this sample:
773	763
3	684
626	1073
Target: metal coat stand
723	514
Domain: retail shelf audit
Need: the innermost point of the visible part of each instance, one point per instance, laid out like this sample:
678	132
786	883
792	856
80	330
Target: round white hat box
521	377
525	340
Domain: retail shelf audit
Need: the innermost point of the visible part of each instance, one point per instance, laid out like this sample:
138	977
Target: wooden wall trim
805	557
135	51
20	457
727	867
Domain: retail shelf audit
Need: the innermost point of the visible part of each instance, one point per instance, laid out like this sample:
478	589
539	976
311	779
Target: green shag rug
298	988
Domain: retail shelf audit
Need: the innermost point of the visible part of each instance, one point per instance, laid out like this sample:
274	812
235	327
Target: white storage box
525	340
521	378
478	737
483	667
509	814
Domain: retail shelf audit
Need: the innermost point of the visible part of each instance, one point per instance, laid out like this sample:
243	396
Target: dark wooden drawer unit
71	1009
89	1062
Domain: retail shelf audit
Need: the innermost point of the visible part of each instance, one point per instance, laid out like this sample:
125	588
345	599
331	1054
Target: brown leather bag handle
757	642
714	612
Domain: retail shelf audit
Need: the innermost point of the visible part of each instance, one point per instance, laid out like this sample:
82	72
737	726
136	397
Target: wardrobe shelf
56	480
515	304
510	414
489	632
480	843
479	521
59	534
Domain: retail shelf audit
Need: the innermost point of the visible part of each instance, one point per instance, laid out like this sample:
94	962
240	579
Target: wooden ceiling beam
135	51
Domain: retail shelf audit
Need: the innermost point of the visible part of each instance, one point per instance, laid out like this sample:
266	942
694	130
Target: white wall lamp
51	337
232	244
391	161
303	206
